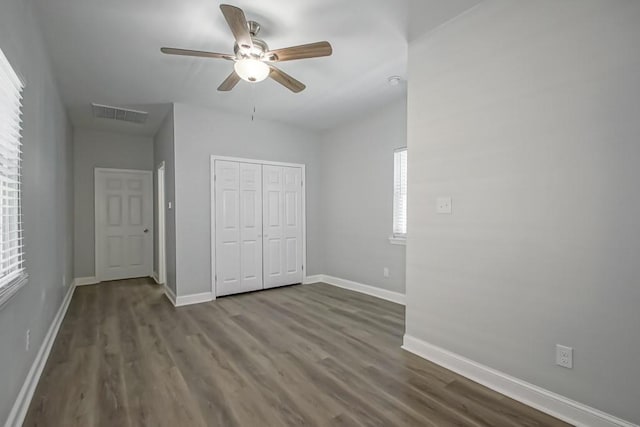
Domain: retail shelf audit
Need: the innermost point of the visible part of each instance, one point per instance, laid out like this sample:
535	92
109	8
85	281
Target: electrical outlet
564	356
385	272
443	205
27	340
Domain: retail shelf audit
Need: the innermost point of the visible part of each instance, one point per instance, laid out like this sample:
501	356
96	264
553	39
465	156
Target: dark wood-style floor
303	355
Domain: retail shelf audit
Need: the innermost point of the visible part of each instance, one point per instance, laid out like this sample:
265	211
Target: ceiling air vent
122	114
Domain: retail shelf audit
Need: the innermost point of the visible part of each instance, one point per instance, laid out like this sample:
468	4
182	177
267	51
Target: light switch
170	205
443	205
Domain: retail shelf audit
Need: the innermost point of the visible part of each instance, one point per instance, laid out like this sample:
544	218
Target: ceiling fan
252	56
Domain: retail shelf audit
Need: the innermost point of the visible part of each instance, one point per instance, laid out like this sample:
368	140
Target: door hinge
303	268
215	278
214	177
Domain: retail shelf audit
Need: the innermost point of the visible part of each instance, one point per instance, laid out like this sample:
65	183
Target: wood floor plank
296	356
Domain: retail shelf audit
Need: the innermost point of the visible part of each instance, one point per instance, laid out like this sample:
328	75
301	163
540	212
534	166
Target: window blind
400	193
11	248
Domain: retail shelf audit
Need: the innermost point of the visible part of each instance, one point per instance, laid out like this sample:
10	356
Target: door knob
146	230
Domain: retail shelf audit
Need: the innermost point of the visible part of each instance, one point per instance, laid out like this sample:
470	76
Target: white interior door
124	220
282	199
238	217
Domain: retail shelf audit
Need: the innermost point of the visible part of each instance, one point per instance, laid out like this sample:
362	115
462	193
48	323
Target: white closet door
238	227
282	225
273	229
227	228
251	226
292	222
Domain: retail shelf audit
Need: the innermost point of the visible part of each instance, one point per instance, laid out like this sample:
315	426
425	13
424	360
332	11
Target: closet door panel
292	230
228	260
273	228
251	226
283	225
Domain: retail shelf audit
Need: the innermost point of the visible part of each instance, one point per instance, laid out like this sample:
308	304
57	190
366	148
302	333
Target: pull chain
252	101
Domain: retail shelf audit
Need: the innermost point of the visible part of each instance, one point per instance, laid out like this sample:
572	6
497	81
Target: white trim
183	300
155	278
83	281
212	225
213	209
308	280
20	406
398	240
544	400
170	295
10	289
162	223
97	254
258	162
384	294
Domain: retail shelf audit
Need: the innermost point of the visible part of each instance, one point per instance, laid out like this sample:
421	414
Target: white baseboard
396	297
312	279
183	300
170	295
544	400
21	405
83	281
154	276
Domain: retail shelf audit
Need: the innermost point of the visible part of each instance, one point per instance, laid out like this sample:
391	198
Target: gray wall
163	150
199	133
96	149
47	201
526	113
357	198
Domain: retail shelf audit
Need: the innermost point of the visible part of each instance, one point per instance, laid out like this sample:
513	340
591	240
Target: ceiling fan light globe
251	70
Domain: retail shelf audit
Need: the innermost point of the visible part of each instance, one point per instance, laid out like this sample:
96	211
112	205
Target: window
399	195
12	273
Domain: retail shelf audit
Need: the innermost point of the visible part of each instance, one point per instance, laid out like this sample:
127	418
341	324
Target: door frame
95	214
162	224
213	210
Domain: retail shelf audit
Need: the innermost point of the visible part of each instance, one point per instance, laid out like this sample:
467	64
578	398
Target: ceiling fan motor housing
260	47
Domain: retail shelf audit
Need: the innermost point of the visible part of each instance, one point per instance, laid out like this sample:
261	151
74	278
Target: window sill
398	240
9	290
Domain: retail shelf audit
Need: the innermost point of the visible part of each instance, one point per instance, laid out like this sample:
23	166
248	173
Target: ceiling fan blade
230	82
198	53
286	80
311	50
238	24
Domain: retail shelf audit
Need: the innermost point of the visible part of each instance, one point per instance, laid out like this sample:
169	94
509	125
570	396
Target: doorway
123	220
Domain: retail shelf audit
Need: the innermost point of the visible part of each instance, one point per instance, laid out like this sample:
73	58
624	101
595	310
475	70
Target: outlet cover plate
564	356
443	205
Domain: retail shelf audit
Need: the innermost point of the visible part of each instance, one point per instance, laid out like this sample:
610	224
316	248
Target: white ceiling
108	52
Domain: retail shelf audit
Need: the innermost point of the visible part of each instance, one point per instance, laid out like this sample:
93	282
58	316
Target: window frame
13	281
398	238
